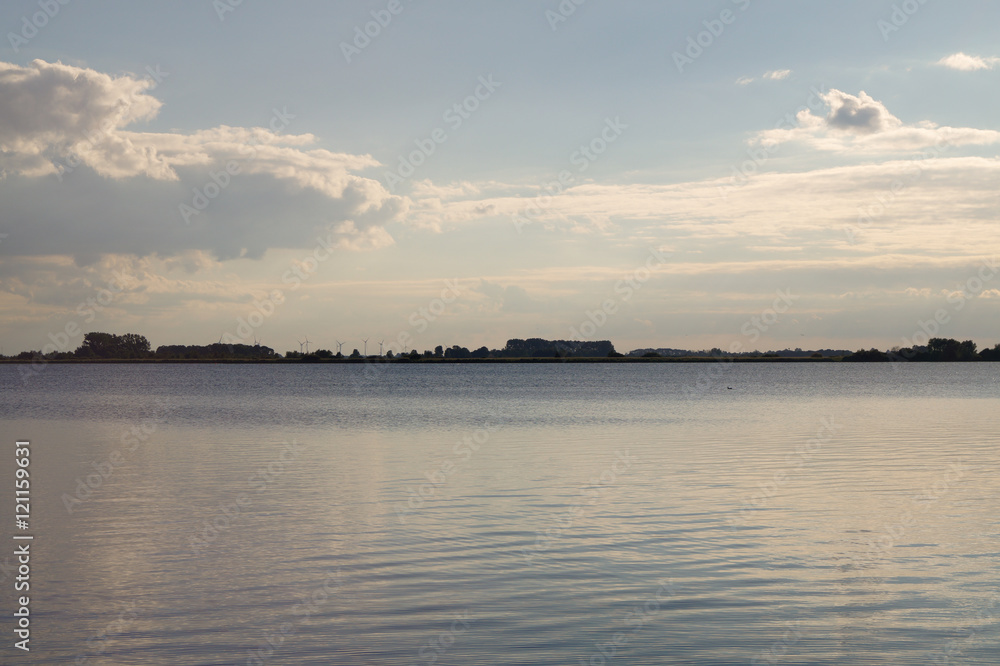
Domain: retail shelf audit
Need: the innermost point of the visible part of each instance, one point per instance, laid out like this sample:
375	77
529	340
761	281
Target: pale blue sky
665	182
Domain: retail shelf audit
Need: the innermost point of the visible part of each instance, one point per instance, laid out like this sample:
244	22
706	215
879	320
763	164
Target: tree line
132	346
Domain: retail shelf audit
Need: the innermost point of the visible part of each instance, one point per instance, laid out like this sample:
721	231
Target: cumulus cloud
860	123
968	63
75	180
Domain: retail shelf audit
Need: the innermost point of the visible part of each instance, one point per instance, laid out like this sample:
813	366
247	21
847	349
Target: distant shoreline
425	361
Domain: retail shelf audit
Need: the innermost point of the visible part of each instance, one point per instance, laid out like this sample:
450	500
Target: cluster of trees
132	346
539	348
214	352
515	348
98	346
936	349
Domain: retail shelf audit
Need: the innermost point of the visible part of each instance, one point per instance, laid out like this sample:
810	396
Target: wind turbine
380	347
365	340
340	346
300	346
307	344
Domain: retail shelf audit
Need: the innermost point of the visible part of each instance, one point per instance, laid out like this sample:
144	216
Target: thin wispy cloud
773	75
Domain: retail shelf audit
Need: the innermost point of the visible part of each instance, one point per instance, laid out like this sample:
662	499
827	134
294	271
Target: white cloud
968	63
744	80
864	125
74	180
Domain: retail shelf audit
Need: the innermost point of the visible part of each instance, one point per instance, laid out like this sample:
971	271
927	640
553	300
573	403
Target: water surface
510	514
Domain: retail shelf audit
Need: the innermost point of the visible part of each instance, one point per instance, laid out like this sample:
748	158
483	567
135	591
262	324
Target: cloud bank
75	180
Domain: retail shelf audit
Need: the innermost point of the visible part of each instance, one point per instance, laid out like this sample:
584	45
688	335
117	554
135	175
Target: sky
733	173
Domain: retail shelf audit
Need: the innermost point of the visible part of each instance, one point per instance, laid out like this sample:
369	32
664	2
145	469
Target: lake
508	514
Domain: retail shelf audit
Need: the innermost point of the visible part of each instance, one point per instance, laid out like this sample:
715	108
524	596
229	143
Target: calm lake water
508	514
